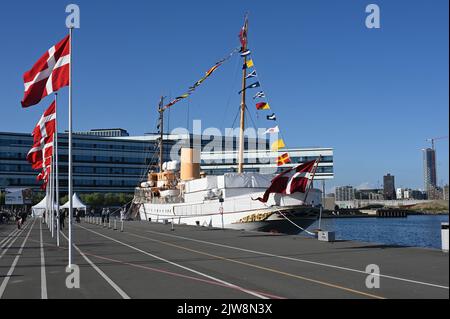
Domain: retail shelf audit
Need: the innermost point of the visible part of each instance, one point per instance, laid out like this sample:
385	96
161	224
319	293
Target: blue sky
375	96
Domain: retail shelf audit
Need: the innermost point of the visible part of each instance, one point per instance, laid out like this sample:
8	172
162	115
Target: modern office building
429	172
119	162
344	193
264	161
389	187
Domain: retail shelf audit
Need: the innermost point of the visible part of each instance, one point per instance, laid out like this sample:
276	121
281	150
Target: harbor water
415	230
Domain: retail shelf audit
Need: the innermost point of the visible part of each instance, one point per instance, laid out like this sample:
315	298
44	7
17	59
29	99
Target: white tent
39	208
76	203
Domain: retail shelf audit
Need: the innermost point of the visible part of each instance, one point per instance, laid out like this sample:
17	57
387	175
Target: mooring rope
299	227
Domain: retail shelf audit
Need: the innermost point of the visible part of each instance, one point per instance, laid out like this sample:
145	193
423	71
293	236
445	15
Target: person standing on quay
108	212
103	215
62	217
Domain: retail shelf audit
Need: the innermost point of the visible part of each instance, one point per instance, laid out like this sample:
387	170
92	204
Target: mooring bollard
115	224
444	237
121	226
109	224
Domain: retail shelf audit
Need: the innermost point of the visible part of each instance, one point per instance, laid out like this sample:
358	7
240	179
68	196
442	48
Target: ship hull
286	220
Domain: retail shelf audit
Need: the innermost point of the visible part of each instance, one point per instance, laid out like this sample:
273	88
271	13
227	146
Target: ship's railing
145	196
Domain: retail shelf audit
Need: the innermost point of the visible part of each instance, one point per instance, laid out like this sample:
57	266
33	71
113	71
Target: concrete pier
149	260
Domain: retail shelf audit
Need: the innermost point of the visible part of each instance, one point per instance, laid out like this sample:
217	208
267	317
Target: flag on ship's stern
285	184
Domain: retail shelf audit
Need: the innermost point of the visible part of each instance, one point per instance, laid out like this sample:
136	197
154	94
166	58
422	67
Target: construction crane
433	139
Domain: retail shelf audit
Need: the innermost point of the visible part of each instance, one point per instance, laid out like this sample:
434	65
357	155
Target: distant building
374	194
111	132
445	192
435	193
402	193
429	172
408	193
416	194
344	193
389	187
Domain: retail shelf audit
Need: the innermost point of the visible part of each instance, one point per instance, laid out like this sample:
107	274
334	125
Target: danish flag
298	182
43	135
49	73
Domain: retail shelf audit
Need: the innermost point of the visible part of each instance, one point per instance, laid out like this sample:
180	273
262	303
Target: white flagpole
47	199
56	169
52	192
70	149
309	185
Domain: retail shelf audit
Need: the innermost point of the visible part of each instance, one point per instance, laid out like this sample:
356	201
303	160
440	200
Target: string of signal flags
259	97
261	104
197	84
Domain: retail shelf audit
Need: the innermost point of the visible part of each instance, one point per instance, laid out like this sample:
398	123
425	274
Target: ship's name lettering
255	217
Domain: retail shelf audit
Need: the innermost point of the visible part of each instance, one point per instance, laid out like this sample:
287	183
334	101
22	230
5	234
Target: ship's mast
242	122
161	132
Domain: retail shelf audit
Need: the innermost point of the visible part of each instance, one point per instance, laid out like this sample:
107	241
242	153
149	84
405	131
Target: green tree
37	197
93	199
64	199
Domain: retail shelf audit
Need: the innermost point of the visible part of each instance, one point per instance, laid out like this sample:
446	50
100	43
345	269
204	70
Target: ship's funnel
190	164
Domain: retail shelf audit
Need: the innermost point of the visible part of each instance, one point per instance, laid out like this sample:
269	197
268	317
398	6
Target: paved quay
149	260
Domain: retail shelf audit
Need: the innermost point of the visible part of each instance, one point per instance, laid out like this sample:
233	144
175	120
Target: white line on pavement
108	280
300	260
43	276
181	266
8	237
13	266
12	242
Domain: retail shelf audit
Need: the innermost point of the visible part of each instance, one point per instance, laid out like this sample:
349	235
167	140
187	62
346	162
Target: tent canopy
40	207
76	203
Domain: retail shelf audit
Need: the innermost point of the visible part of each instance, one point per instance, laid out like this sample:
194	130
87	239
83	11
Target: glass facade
119	164
100	164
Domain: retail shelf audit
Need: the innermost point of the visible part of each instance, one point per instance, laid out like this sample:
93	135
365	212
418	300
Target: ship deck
149	260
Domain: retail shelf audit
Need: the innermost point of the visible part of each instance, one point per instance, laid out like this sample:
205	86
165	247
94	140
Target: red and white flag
273	130
43	138
288	183
49	73
44	176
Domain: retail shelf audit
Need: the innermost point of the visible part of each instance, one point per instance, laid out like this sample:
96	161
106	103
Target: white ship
179	194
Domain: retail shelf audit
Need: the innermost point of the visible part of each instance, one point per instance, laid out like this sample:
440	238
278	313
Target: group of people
105	215
21	219
63	215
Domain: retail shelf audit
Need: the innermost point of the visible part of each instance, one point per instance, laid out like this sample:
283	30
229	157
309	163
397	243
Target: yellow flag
278	144
249	63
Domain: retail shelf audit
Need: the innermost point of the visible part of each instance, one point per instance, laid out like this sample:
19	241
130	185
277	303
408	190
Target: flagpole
56	169
70	149
242	121
47	199
312	178
52	193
